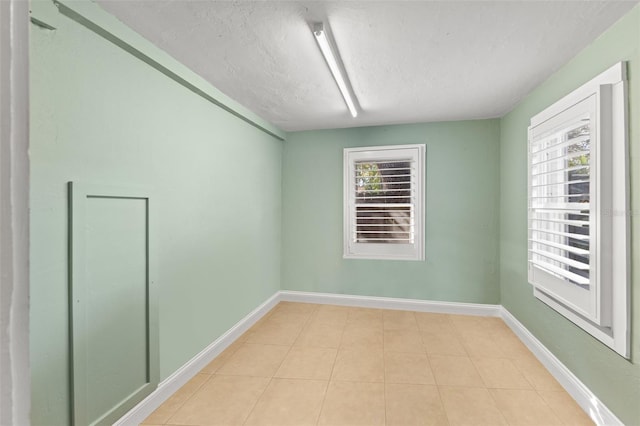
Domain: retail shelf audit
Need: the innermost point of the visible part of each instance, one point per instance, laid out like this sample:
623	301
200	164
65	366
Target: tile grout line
166	422
332	369
384	372
446	413
497	406
434	375
253	407
550	408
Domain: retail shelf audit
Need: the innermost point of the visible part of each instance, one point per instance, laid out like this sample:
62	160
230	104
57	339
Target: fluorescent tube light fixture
334	65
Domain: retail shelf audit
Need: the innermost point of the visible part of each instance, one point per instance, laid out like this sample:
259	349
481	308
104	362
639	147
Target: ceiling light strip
338	73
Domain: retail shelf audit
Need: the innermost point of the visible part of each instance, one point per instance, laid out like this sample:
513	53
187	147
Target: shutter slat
563	170
390	209
538	210
368	225
566	182
562	272
560	196
375	191
361	176
385	197
564	221
565	247
564	144
563	206
570	262
384	232
383	239
563	234
380	163
570	156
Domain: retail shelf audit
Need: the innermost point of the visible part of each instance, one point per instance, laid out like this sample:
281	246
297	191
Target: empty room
320	213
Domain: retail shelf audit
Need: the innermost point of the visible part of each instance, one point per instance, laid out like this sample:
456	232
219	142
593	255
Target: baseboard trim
598	412
182	375
392	303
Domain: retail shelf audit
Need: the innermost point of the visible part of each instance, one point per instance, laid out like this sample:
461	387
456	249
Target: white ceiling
408	61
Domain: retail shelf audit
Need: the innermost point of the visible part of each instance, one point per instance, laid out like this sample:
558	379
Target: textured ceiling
408	61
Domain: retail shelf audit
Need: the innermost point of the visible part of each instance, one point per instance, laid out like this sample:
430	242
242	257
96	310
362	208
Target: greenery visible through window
369	178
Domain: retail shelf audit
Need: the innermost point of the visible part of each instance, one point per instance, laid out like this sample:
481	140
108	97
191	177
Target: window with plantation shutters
562	228
577	228
384	202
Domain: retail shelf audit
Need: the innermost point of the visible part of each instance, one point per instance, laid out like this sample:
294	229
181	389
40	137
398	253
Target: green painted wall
461	214
613	379
99	115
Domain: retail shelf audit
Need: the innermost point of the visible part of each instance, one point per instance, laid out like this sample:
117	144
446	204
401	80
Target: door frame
15	395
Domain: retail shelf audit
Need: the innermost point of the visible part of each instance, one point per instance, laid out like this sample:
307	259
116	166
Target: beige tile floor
305	364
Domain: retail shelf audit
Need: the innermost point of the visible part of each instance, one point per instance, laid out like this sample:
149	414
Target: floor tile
524	408
289	402
468	324
295	308
308	363
290	317
403	341
434	323
353	404
223	400
402	367
470	406
500	373
481	346
510	345
455	371
536	374
255	360
275	333
399	320
356	336
566	408
320	335
408	404
175	401
327	314
365	317
221	359
443	344
359	366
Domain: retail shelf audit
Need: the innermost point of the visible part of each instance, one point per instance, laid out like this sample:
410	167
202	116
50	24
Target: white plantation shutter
383	202
565	224
578	233
560	202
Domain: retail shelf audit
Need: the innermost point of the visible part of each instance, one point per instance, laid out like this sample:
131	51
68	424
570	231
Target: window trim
353	250
610	90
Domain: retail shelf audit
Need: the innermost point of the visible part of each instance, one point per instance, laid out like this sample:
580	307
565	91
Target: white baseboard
175	381
392	303
598	412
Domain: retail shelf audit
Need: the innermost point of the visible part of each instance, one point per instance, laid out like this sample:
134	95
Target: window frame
356	250
608	321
